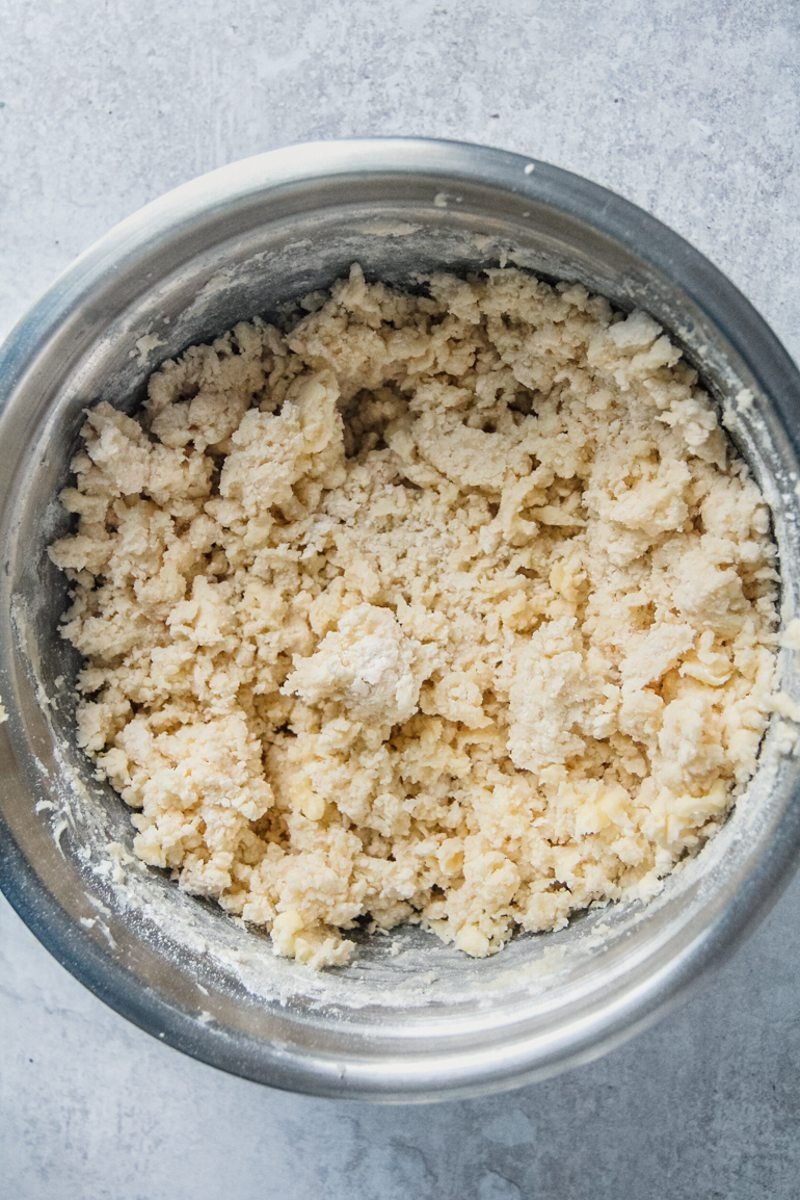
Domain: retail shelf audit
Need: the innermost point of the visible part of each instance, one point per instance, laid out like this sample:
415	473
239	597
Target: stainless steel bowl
410	1019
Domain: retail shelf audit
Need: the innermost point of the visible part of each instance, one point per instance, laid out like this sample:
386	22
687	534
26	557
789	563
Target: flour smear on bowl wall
410	1015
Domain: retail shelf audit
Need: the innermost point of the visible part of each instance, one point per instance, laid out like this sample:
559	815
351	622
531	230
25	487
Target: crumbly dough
454	607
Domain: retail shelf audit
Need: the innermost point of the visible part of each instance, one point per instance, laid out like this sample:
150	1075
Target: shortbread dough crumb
454	608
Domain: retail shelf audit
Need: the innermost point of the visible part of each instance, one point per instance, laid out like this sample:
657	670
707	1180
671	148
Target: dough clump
454	607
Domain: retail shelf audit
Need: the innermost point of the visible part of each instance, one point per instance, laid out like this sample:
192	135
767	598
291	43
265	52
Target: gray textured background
690	109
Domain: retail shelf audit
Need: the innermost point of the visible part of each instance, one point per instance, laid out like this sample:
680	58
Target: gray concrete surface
689	108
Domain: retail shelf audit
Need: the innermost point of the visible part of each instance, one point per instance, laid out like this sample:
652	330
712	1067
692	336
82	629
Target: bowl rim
441	1075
